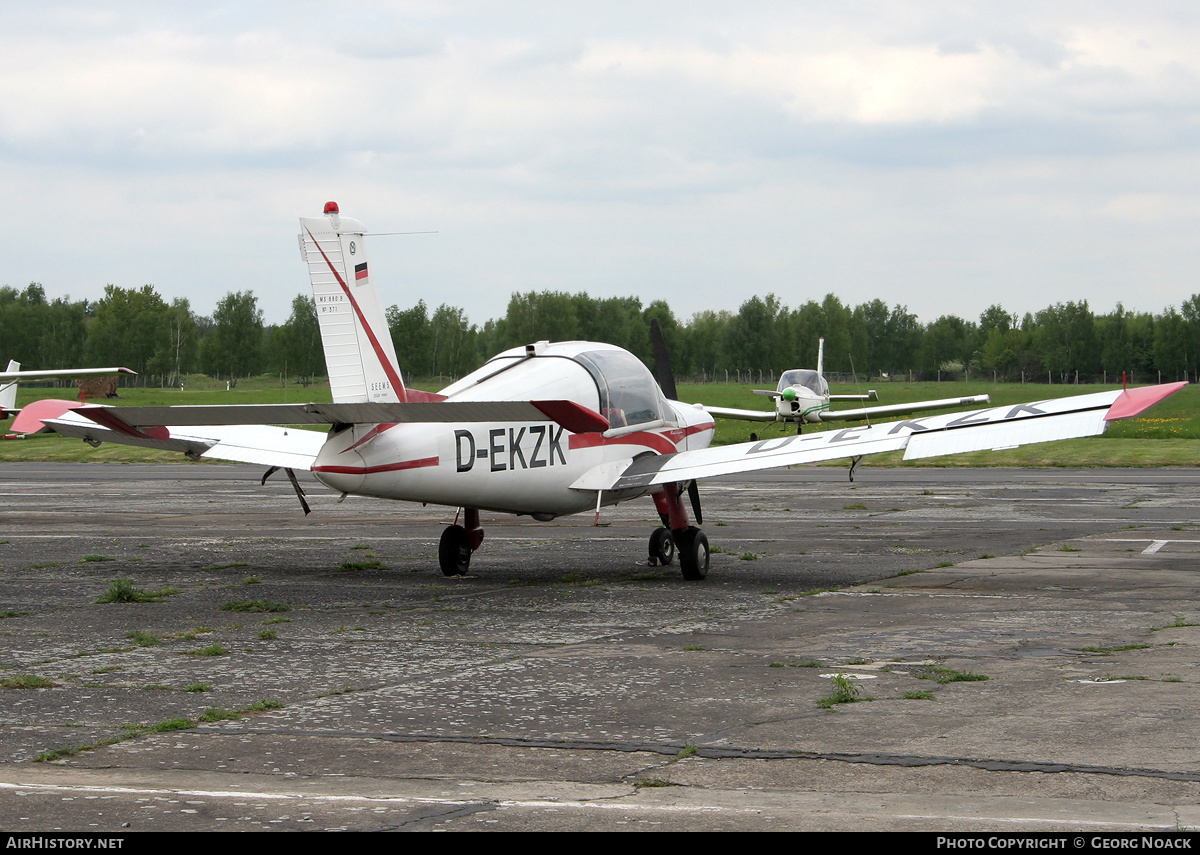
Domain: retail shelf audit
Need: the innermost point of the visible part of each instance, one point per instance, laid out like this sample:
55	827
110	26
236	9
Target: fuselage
521	468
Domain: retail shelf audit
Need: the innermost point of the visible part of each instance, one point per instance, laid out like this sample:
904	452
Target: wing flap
267	445
1005	435
602	477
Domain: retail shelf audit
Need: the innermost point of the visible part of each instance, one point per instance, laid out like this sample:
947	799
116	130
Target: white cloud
921	153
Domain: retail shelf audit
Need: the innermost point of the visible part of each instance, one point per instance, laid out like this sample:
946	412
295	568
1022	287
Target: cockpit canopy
805	377
601	377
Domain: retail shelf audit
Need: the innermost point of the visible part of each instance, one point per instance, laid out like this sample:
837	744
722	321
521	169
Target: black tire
454	551
662	547
693	553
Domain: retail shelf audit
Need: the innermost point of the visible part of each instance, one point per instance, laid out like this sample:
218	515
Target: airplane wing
928	436
901	409
61	373
851	415
744	415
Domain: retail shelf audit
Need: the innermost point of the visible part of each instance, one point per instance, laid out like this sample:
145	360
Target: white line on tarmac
244	795
1154	546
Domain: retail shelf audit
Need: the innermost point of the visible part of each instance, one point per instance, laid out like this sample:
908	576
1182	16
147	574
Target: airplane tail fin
359	354
821	356
8	391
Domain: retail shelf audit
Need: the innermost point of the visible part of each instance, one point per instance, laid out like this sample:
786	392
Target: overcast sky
941	155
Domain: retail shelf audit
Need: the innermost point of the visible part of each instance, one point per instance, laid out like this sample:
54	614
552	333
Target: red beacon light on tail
331	208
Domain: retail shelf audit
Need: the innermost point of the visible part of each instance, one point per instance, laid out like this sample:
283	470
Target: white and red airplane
542	430
802	396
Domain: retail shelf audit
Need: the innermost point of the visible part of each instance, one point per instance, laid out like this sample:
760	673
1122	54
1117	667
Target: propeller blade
662	362
694	495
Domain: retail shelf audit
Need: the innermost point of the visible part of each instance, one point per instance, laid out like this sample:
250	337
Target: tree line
1063	343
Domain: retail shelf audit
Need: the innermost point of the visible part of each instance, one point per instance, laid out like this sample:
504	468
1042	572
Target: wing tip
1133	402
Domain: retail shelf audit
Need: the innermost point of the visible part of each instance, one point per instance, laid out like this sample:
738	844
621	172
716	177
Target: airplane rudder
359	353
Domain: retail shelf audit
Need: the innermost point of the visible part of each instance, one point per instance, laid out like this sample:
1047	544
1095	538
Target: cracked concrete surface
564	684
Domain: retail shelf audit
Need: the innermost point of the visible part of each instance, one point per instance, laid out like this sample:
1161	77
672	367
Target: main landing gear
457	544
678	536
662	547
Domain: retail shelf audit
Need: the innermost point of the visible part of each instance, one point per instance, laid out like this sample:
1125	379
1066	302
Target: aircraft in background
542	430
802	396
14	375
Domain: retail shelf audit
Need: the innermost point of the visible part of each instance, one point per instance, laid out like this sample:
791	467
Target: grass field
1169	435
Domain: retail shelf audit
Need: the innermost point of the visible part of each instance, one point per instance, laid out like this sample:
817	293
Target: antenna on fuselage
857	389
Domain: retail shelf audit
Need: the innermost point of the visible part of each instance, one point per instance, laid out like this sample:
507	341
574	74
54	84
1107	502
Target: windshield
805	377
628	393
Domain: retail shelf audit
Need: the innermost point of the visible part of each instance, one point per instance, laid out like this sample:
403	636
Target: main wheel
662	547
454	551
693	553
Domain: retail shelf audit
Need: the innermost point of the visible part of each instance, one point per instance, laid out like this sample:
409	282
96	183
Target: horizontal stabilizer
260	444
573	417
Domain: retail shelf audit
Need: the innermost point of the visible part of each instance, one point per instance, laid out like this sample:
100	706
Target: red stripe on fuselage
657	442
371	470
393	376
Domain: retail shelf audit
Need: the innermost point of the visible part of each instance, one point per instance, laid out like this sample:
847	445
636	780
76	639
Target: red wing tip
1135	401
574	417
30	418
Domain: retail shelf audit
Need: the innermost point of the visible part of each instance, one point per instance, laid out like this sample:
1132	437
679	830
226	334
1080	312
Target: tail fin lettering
359	354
